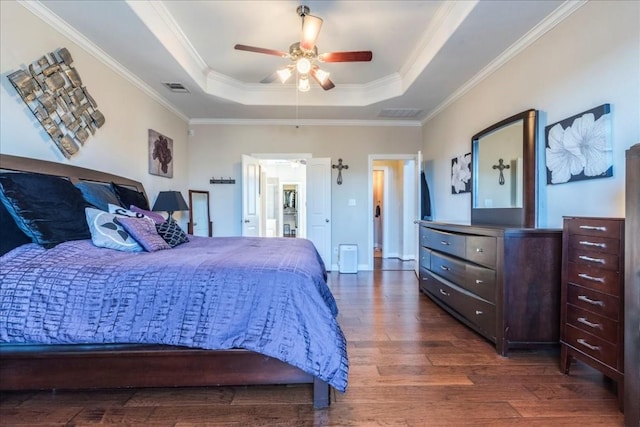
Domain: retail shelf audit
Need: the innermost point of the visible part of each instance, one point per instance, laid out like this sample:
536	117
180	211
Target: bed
209	312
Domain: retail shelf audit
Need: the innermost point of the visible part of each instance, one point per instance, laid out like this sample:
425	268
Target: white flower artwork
579	147
461	174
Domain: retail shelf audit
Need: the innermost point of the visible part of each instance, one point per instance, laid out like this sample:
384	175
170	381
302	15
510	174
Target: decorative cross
340	166
501	166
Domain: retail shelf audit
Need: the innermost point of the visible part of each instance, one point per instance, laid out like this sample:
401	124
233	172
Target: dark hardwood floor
411	365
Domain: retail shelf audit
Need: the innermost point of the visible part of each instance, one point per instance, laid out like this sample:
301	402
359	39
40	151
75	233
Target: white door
418	207
250	196
319	206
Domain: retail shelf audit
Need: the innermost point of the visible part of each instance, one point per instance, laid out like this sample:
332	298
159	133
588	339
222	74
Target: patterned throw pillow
172	233
144	231
106	231
159	219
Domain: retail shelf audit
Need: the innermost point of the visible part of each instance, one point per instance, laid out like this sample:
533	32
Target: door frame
370	209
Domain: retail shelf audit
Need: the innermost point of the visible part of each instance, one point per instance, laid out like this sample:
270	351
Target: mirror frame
527	215
190	223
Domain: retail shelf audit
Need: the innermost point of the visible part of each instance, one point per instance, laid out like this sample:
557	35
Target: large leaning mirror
199	217
504	172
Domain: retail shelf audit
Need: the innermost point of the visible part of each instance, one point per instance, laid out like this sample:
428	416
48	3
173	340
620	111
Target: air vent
176	87
403	113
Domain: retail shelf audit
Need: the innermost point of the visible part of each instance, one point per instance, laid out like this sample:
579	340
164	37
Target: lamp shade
170	201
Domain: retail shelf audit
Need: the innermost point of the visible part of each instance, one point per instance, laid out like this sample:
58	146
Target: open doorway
283	207
263	192
392	210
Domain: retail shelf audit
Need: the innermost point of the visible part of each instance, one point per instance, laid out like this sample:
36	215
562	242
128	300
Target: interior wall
589	59
215	150
120	145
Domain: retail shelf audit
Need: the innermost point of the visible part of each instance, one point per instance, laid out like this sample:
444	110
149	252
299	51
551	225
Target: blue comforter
265	295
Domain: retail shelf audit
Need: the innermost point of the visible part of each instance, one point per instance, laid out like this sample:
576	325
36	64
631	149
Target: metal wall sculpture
53	91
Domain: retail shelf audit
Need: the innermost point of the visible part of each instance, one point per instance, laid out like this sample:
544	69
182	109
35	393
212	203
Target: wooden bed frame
29	367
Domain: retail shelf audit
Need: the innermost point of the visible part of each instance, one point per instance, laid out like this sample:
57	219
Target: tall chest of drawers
592	319
504	283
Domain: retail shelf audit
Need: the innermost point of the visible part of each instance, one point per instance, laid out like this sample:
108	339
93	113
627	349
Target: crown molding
307	122
556	17
58	24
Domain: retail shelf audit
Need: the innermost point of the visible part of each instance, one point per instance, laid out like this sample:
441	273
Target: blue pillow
128	197
12	236
98	195
48	209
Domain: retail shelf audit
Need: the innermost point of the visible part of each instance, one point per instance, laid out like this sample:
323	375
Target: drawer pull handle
593	279
588	243
480	250
479	312
590	301
589	346
446	294
590	324
444	242
588	258
444	267
478	281
593	227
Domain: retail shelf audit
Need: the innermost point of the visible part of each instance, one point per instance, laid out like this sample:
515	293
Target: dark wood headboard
73	173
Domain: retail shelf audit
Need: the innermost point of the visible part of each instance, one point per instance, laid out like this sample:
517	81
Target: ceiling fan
304	54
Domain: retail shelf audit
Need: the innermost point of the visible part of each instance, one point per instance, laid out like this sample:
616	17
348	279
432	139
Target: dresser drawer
425	258
424	236
595	278
450	243
587	321
581	255
450	268
481	250
594	301
475	310
479	280
595	243
596	227
589	344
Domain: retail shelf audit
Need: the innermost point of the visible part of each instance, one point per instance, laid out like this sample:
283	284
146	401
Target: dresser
592	322
502	282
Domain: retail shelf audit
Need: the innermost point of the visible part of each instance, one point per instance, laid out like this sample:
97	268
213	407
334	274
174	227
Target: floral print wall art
461	174
160	154
579	147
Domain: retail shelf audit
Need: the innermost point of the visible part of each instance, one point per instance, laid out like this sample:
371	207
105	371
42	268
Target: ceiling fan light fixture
303	84
303	66
284	74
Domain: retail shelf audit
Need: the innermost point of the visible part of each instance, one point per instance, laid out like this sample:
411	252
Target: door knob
246	221
326	220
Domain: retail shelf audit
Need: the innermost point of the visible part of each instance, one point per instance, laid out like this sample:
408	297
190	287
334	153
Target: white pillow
115	209
106	232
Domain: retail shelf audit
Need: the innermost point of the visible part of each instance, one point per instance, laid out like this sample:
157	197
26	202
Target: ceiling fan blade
261	50
270	78
326	84
310	29
355	56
